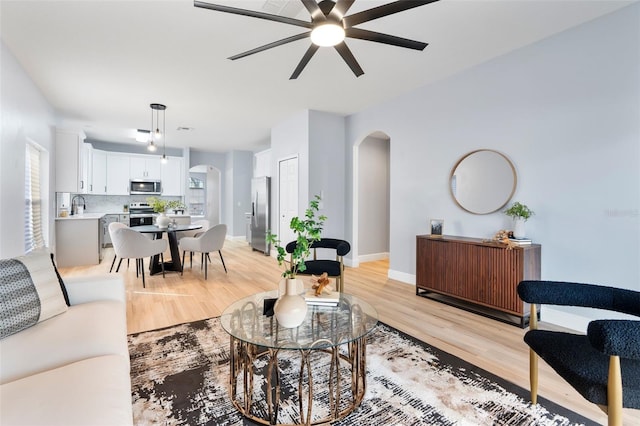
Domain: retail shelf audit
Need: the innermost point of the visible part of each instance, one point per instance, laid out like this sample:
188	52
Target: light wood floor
487	343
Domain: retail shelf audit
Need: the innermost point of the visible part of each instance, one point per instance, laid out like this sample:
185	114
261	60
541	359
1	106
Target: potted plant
520	213
161	206
157	204
291	307
307	231
176	205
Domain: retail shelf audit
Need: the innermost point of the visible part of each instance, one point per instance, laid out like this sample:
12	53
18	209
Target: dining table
174	265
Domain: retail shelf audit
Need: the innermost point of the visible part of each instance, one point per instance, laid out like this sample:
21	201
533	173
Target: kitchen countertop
84	216
94	216
89	216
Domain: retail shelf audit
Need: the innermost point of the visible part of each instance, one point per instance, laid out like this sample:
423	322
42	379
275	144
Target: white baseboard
402	276
352	263
564	319
373	257
236	237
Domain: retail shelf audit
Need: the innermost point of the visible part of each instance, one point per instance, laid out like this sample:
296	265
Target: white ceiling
101	63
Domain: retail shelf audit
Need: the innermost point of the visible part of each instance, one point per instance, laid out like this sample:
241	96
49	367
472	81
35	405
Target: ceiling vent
283	7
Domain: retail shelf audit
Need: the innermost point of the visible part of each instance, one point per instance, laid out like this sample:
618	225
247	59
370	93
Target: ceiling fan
328	27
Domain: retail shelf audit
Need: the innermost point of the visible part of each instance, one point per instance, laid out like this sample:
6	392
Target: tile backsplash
113	203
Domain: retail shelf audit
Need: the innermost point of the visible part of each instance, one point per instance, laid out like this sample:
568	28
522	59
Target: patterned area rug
180	377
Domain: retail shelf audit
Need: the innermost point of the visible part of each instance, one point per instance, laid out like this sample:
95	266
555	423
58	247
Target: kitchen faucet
74	204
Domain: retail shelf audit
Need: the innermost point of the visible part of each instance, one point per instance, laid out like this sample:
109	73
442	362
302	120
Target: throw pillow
62	286
29	292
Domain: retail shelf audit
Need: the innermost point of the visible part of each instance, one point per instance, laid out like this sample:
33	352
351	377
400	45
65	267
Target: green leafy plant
157	204
160	206
519	211
307	230
175	205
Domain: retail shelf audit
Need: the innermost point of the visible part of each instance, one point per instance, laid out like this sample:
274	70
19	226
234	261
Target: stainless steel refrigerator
260	201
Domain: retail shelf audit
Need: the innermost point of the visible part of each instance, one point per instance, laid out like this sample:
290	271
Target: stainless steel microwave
145	187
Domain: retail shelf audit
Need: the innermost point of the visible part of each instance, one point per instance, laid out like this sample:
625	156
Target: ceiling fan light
328	34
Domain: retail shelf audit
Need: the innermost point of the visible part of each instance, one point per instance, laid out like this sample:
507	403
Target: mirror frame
464	157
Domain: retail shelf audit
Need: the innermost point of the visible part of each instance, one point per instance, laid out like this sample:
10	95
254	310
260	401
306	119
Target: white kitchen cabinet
145	167
117	173
72	162
172	176
98	183
106	237
262	163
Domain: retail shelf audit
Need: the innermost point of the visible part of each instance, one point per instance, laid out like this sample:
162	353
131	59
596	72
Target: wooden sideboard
482	273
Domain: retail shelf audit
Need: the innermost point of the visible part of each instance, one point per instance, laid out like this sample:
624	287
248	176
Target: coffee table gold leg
232	368
305	363
243	356
335	382
273	392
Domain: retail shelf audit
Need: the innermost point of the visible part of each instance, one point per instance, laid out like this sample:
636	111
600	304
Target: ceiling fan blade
384	38
314	10
253	14
348	57
384	10
270	45
304	61
341	8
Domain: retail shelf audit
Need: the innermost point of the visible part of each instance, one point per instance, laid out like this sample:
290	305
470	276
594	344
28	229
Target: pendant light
163	160
156	134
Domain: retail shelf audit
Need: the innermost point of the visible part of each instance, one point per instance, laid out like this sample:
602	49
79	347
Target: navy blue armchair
603	365
333	268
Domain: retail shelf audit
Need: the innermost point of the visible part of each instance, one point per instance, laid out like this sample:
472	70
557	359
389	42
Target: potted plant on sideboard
520	213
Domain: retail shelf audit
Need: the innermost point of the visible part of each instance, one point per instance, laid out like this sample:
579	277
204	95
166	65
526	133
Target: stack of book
325	299
520	241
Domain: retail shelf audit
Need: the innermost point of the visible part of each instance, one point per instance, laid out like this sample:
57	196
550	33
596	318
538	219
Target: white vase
290	308
519	228
162	221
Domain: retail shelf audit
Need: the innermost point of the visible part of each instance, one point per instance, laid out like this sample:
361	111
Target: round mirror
483	181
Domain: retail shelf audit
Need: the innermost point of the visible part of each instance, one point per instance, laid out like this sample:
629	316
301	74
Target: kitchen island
78	240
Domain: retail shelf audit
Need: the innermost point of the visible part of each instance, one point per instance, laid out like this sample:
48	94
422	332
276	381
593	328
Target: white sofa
72	368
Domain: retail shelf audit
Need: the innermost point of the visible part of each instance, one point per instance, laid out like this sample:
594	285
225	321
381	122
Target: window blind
33	209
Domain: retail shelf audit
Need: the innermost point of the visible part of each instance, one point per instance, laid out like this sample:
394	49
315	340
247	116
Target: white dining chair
130	244
195	232
112	228
205	243
204	223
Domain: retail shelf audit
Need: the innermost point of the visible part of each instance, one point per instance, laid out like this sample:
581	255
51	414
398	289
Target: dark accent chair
603	365
333	268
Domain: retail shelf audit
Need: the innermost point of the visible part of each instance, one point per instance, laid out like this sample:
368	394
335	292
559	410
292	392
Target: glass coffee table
311	374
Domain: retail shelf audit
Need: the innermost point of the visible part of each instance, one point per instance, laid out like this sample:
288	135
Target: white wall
218	161
317	139
373	199
290	138
26	115
242	174
327	169
237	201
213	199
566	111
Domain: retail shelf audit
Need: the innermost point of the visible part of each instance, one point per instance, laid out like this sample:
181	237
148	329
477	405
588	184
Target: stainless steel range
140	214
